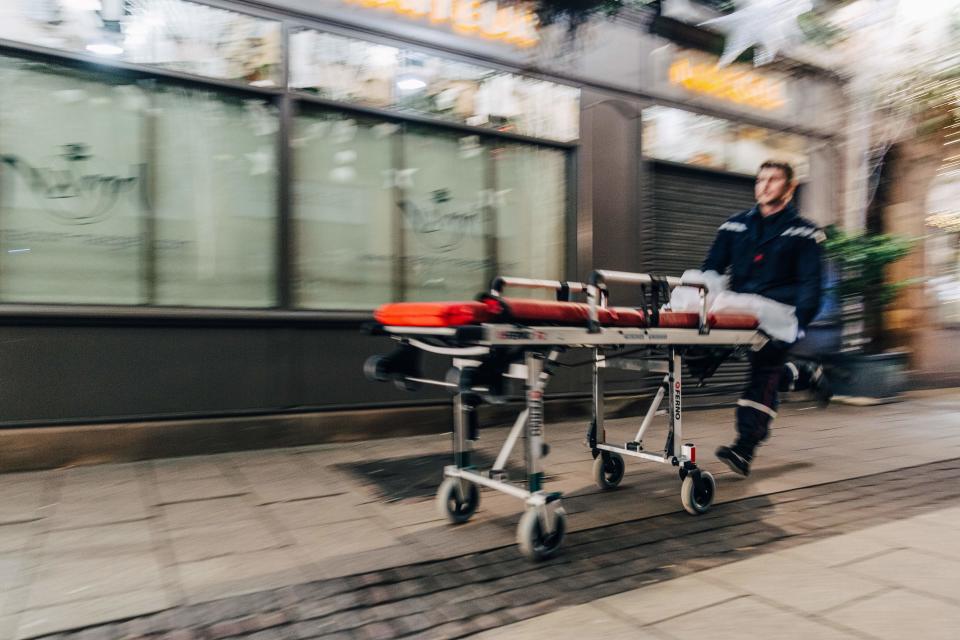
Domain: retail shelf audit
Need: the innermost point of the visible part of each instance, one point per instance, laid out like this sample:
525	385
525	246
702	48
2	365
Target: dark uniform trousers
770	373
758	404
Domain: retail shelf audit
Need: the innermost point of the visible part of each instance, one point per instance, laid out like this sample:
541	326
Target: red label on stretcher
676	400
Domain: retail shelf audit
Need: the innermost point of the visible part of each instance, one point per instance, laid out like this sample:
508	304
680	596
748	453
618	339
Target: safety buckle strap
504	314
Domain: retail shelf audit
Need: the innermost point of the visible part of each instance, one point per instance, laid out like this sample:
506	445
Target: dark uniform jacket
777	257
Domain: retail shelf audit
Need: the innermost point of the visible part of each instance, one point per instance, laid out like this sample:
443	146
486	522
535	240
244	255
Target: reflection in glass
71	187
530	200
691	138
466	209
172	34
942	248
214	198
446	215
343	211
86	162
350	70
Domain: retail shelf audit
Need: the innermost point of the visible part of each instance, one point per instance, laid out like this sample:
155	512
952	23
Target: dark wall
64	373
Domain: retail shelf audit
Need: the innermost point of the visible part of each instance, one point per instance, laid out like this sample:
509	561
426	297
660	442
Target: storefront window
125	191
71	187
530	196
691	138
446	215
350	70
91	170
385	211
943	249
343	211
214	197
172	34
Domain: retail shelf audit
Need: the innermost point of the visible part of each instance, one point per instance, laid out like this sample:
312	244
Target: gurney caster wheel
454	507
376	368
534	544
697	497
608	470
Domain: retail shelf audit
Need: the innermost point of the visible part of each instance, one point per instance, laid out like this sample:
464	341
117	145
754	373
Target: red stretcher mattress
690	320
527	311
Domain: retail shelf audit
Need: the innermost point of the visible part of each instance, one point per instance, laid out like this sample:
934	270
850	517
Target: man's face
772	187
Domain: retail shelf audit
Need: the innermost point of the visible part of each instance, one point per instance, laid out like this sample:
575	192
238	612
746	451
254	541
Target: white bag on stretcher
777	320
688	298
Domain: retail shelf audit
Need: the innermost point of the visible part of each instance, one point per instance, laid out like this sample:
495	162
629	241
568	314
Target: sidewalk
888	582
88	545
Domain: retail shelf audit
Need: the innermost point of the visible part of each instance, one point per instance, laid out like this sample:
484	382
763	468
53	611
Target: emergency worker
770	251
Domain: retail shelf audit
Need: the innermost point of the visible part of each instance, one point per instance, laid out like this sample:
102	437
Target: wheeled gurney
497	338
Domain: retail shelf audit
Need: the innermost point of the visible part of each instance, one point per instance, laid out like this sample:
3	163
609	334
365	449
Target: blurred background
200	203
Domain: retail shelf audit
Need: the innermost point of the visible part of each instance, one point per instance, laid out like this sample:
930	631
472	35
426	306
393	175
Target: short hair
777	164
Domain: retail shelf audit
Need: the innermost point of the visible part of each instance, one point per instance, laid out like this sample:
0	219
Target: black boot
737	457
820	386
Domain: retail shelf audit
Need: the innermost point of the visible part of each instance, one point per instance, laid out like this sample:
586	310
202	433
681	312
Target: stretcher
496	338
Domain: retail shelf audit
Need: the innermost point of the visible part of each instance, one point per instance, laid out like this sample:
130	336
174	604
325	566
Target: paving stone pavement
460	596
84	546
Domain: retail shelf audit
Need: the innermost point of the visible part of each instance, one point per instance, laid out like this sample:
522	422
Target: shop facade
201	203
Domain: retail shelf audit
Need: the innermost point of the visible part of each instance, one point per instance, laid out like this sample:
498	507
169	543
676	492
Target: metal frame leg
597	434
534	422
675	435
652	411
461	443
547	506
463	414
508	445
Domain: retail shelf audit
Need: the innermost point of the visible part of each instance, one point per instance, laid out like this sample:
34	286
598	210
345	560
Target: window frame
288	102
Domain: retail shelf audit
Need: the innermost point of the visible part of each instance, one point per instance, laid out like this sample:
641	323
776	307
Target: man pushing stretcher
774	262
771	252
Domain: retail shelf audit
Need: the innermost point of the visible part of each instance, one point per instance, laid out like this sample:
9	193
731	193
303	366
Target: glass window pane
343	69
691	138
530	200
750	146
214	197
71	199
350	70
172	34
942	244
682	136
446	215
343	211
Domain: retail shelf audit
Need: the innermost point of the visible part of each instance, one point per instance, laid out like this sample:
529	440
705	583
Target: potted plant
862	291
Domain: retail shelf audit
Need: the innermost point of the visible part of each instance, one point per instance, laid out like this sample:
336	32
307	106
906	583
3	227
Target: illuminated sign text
731	84
483	18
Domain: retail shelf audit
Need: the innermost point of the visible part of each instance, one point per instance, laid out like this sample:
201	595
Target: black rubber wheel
608	469
455	508
375	369
697	500
536	545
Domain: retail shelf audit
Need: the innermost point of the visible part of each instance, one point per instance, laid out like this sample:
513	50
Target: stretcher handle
563	289
597	295
601	277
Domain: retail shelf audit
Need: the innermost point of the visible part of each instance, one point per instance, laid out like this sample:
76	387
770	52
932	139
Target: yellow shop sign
729	83
482	18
